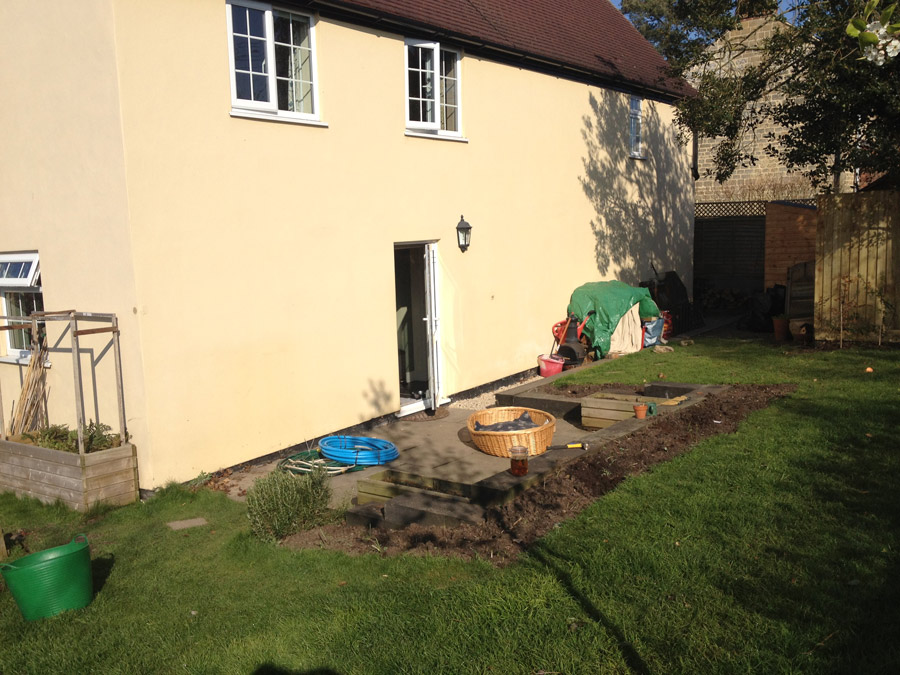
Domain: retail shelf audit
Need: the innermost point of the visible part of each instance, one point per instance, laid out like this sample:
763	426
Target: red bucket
550	364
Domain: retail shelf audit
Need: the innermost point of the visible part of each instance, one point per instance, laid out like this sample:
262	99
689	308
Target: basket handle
80	538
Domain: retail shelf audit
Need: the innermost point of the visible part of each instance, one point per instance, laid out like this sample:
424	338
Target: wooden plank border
79	480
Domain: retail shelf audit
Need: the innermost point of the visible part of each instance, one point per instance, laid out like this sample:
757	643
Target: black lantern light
463	234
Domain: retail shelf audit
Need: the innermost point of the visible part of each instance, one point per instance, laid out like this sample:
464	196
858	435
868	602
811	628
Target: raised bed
603	410
78	480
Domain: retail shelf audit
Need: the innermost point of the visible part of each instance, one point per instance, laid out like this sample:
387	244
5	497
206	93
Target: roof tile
589	35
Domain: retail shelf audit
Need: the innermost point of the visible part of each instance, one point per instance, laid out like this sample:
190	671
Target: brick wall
790	239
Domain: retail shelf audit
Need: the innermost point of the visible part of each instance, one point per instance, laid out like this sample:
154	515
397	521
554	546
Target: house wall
262	253
790	239
63	193
767	179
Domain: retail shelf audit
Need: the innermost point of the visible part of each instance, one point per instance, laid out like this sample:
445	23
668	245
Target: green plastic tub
52	581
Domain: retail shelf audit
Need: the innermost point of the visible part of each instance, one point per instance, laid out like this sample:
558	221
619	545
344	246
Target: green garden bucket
52	581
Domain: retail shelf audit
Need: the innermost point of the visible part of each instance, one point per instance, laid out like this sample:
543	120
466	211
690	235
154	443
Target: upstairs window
20	295
634	123
432	88
272	57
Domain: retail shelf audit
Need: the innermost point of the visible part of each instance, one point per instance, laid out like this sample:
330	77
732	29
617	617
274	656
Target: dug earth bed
510	529
585	390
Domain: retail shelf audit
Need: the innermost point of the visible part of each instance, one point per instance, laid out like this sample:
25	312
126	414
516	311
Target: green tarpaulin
610	301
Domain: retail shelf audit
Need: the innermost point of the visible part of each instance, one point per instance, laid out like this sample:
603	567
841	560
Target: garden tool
565	446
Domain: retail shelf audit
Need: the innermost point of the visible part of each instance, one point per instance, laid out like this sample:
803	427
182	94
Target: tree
656	21
879	39
838	111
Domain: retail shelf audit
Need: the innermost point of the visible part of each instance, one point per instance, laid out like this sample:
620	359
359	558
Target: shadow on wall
97	385
643	208
92	357
380	400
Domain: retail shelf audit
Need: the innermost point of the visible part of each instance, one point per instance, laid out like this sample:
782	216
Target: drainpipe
695	158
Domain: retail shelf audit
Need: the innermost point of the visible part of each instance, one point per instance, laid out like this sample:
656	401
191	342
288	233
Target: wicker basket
498	443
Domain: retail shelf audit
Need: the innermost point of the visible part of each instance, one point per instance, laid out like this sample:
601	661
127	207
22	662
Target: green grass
772	550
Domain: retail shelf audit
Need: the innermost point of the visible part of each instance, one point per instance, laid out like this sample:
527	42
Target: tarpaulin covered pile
609	301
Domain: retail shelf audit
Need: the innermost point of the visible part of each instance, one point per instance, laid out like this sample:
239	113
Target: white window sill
21	360
269	117
437	137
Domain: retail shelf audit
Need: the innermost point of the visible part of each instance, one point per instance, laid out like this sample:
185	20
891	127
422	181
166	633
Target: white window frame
636	117
433	128
244	107
27	284
33	273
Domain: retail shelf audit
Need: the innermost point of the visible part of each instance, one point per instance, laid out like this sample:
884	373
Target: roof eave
373	18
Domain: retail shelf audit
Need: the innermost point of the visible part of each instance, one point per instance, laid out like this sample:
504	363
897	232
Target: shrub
281	503
97	436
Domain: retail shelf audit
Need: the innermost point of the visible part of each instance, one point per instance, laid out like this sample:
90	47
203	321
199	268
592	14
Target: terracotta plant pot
640	410
782	329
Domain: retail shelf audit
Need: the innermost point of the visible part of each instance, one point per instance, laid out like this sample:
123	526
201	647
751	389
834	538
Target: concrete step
424	509
428	510
365	515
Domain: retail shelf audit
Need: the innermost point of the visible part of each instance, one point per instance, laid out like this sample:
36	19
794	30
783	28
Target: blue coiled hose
358	450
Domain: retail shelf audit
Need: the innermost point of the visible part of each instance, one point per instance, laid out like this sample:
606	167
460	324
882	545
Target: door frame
433	398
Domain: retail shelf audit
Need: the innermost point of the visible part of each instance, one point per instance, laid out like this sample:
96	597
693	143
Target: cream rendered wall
263	252
63	193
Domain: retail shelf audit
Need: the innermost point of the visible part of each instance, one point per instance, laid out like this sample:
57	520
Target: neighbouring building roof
586	40
887	181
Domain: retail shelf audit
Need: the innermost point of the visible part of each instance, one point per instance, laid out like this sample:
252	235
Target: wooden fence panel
856	293
729	254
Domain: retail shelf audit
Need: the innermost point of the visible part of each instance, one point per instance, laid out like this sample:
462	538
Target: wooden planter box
603	410
79	481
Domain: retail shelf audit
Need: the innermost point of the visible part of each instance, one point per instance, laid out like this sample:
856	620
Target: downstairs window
20	295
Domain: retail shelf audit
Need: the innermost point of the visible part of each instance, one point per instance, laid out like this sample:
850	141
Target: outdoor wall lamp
463	234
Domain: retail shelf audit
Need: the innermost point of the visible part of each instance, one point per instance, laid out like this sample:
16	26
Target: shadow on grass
101	568
269	669
838	517
546	558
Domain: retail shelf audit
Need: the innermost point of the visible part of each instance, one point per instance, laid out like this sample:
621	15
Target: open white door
433	323
416	277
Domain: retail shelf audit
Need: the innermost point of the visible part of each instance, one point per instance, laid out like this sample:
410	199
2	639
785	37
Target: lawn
772	550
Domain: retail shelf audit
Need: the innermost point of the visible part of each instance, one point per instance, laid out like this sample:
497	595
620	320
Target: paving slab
186	524
442	448
439	447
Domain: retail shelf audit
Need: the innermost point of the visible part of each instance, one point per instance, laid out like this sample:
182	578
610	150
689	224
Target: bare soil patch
584	390
512	528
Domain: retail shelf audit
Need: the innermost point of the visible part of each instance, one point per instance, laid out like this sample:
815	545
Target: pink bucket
550	364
